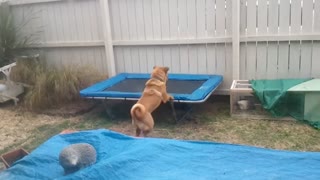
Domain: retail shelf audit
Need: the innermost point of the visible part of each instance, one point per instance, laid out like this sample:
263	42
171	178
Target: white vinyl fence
239	39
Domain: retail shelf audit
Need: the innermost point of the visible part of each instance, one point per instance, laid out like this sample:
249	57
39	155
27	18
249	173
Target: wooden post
236	39
107	37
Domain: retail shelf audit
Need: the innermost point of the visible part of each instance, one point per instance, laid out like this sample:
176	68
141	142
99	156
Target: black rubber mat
173	86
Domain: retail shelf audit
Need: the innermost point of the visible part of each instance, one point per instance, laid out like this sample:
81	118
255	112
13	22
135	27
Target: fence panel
279	46
278	38
64	28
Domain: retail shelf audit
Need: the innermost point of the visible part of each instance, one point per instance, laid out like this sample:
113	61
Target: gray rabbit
77	156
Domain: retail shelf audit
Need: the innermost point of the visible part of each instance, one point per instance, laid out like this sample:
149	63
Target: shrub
51	87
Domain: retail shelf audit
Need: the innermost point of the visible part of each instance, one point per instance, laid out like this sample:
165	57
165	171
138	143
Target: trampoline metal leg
187	112
173	111
107	110
184	115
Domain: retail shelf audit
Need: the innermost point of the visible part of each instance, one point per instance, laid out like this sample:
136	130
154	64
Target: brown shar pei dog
154	93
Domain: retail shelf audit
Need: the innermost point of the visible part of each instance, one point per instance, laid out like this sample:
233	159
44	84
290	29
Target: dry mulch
17	124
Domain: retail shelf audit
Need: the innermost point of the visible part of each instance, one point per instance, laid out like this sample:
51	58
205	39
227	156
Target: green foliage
7	35
12	41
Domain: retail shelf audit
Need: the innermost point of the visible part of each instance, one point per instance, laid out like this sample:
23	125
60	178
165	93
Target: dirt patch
71	109
17	124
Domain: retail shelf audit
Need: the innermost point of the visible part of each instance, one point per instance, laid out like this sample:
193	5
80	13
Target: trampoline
185	88
190	88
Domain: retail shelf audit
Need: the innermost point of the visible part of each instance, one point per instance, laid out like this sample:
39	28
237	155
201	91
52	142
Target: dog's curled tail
138	111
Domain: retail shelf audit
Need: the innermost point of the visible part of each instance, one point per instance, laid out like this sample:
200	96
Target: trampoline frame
134	99
190	102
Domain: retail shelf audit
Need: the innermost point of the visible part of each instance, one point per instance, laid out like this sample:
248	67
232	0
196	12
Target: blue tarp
129	158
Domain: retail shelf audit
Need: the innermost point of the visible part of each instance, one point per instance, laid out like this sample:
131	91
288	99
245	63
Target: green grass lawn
209	121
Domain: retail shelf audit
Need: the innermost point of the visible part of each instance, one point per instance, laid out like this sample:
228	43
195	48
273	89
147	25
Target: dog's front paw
171	98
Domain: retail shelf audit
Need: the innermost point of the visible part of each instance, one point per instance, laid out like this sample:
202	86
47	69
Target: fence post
236	39
107	35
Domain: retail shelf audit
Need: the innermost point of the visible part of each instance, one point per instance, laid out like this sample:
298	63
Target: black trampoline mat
173	86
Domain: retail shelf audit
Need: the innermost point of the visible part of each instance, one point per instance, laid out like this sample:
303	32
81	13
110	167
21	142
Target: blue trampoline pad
183	87
121	157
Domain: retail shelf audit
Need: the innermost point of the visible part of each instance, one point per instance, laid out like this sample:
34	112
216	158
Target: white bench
9	90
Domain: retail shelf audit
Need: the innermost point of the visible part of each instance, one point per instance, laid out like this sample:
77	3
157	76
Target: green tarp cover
275	97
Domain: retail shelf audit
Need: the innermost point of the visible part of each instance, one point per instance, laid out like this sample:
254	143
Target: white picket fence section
280	38
239	39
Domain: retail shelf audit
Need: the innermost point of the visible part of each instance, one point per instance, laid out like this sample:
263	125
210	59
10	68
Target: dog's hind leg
145	133
138	132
